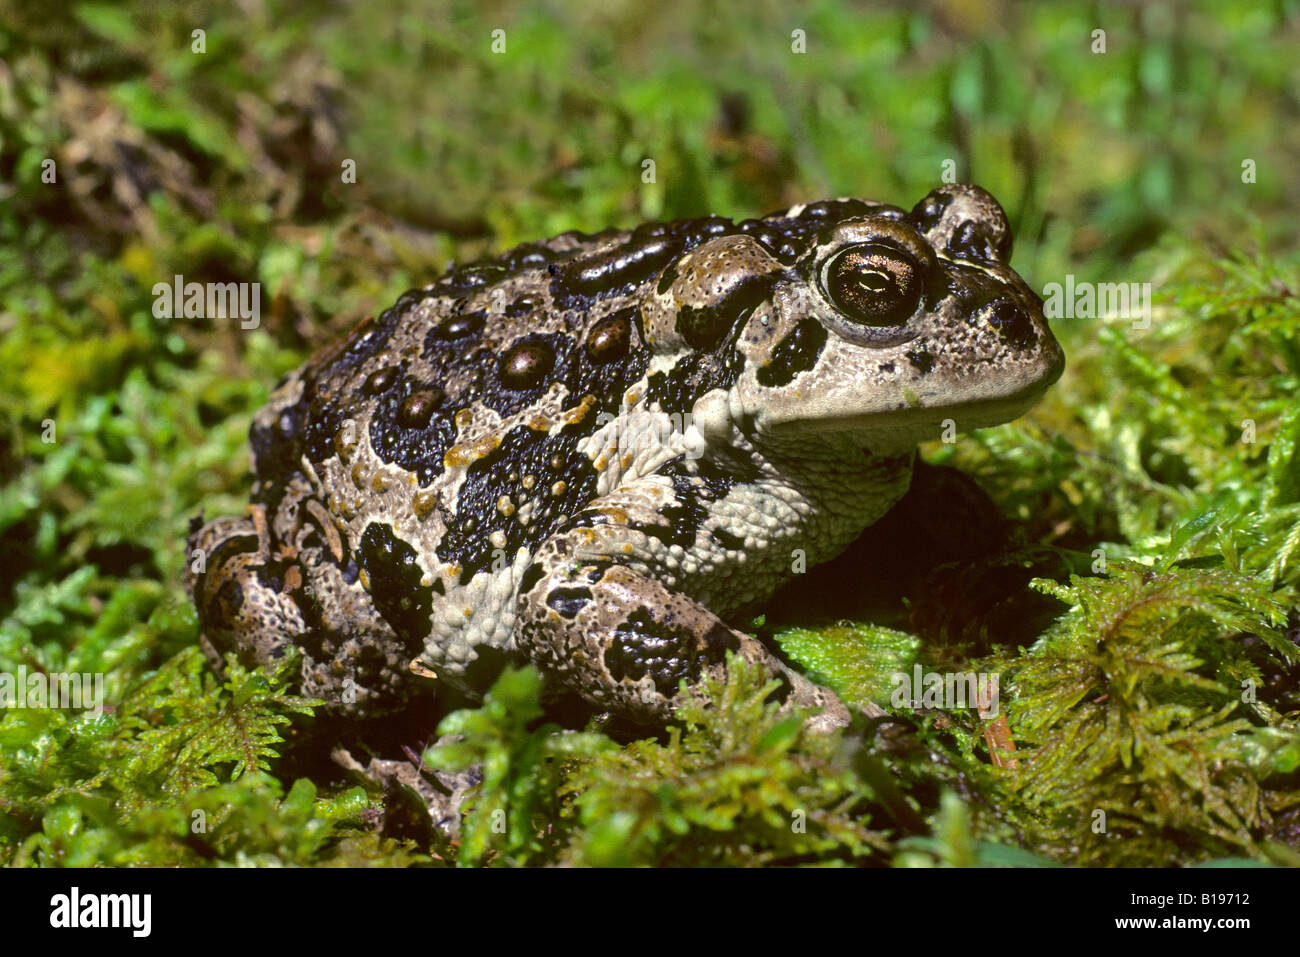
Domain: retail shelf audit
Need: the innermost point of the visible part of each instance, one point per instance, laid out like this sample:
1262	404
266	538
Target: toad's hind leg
267	587
625	642
242	590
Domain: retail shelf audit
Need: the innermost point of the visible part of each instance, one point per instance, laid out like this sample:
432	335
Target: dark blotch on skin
706	327
474	275
321	417
413	433
667	278
696	487
796	353
526	363
922	359
588	519
532	575
651	248
732	542
572	369
818	210
417	408
677	389
523	306
522	452
276	449
727	540
837	209
379	381
395	587
1011	322
668	653
458	327
568	601
613	271
610	337
530	256
271	576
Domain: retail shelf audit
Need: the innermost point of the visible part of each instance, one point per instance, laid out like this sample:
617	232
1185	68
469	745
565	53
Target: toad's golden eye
874	284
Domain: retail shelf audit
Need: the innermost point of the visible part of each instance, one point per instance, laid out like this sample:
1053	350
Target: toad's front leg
623	641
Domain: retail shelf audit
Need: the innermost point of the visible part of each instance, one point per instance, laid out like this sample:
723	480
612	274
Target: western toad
597	450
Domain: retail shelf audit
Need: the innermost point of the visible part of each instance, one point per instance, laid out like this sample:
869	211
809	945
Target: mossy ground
1129	568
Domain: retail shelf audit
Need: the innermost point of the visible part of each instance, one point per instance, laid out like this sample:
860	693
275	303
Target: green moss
175	774
735	783
520	813
858	661
1144	736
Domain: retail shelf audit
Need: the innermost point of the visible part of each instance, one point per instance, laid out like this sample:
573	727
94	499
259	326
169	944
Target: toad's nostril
1011	322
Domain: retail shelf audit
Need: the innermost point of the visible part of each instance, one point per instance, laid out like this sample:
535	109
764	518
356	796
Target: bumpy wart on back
599	452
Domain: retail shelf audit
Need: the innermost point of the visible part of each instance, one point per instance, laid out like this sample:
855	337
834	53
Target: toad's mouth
895	430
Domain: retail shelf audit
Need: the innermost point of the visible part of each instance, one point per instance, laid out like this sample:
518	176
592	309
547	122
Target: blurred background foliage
117	427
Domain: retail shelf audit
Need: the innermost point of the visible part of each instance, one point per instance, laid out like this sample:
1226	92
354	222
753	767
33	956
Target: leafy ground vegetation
1125	559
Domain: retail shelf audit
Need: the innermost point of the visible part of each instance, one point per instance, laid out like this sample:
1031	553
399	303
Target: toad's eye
873	284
